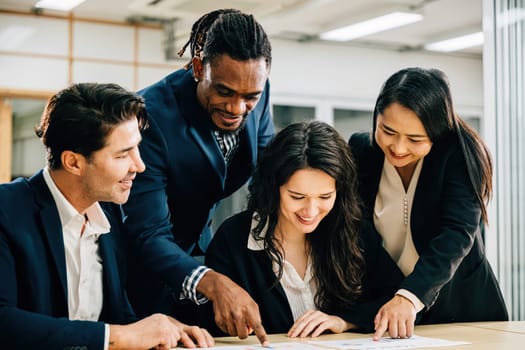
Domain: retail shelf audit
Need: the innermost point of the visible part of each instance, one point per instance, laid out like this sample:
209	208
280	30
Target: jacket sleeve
459	215
21	329
147	221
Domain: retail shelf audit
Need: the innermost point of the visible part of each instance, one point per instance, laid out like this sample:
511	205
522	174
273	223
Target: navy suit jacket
452	276
33	287
172	202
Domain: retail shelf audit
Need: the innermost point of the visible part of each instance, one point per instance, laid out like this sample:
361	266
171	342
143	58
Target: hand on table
397	316
236	313
313	323
193	336
155	331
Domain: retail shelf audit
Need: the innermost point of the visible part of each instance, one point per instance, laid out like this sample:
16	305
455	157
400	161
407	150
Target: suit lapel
250	133
52	227
208	144
110	276
264	262
200	125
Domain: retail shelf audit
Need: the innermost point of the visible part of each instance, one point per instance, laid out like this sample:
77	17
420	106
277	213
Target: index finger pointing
258	329
381	328
260	333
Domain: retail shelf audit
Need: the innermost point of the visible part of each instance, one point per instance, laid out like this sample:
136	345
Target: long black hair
427	93
337	260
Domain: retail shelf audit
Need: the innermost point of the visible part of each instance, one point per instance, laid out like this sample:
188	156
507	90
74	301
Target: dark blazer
33	291
252	270
452	276
172	202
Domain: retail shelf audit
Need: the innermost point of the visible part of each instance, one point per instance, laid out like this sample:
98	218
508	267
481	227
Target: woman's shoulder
235	228
359	139
364	152
360	143
446	150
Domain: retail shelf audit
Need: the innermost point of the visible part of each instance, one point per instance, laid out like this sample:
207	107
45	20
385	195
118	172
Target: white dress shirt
392	211
83	263
300	292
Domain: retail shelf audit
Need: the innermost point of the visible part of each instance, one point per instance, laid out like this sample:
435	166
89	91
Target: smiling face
305	200
229	89
401	136
109	172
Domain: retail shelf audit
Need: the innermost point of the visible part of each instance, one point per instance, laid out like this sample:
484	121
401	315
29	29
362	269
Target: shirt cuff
106	336
411	296
190	283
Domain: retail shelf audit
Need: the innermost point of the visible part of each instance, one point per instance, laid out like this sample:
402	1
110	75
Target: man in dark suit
62	284
208	123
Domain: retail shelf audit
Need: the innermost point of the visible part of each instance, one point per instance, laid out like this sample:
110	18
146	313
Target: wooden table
481	335
513	326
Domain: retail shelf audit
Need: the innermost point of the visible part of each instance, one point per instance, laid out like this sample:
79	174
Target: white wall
325	76
299	69
335	73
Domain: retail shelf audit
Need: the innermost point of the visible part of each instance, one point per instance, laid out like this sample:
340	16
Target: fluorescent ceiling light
371	26
59	5
457	43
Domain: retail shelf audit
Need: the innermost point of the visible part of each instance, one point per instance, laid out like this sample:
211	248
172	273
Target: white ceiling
299	19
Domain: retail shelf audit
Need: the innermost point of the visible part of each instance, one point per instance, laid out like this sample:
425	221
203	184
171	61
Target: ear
197	65
72	162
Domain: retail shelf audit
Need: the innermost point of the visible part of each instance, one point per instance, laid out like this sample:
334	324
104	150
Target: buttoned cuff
190	283
106	336
413	299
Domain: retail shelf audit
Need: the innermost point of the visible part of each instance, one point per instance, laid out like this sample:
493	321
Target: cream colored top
392	216
299	291
392	211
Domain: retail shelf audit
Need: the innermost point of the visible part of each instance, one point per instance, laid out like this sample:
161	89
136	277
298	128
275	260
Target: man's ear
72	162
196	63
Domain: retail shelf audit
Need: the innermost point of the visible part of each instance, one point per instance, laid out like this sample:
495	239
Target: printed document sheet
413	342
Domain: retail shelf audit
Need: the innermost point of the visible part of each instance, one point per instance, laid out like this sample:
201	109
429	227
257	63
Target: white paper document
280	346
413	342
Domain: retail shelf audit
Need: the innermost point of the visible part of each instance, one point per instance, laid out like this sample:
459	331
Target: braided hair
227	31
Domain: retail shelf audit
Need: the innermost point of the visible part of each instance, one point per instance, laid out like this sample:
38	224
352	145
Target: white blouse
299	291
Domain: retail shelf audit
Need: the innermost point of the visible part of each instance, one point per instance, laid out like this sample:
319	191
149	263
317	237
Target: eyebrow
127	149
222	86
302	194
395	131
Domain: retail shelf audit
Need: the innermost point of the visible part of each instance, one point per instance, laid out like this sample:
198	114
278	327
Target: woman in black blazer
425	179
295	249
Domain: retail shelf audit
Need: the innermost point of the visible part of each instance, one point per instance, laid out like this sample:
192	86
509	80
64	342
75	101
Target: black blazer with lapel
33	291
452	276
252	270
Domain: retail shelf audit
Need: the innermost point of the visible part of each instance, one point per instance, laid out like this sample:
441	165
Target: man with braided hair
208	123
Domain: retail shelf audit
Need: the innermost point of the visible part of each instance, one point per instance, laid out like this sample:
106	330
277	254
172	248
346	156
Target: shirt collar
67	212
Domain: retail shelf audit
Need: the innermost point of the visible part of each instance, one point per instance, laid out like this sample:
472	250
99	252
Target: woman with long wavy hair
295	249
